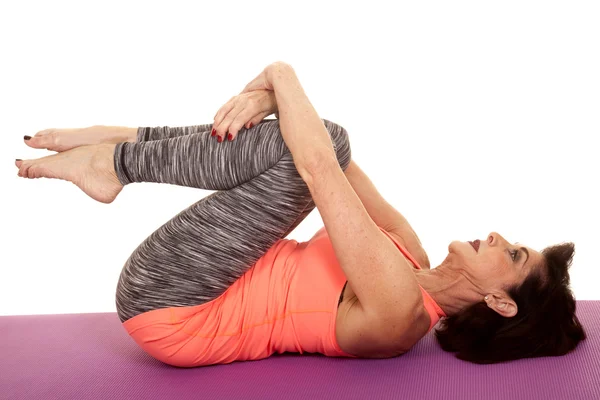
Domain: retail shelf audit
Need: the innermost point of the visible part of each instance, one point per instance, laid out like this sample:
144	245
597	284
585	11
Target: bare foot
66	139
91	168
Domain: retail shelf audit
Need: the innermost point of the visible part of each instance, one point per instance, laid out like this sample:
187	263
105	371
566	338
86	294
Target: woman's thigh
199	253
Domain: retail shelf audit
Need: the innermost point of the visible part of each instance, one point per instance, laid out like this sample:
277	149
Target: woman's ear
504	306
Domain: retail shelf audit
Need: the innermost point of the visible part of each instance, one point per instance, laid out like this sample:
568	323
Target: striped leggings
199	253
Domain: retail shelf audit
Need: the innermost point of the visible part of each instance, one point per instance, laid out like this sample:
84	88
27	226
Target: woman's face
495	263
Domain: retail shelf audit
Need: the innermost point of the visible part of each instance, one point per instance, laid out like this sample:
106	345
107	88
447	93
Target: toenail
26	137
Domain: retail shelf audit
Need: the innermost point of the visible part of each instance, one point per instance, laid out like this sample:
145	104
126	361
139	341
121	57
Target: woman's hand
245	109
264	79
251	106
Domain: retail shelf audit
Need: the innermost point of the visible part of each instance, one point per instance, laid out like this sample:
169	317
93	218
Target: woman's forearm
301	127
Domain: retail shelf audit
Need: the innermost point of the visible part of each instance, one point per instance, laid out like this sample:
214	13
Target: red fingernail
230	137
220	139
213	133
251	125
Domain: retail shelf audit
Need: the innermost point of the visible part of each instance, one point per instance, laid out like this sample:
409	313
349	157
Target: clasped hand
248	108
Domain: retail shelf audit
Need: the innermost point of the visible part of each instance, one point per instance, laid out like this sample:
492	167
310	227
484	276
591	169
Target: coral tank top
286	302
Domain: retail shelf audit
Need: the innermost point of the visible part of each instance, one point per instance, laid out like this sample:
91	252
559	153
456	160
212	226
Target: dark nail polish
220	139
213	133
26	137
251	125
230	137
18	159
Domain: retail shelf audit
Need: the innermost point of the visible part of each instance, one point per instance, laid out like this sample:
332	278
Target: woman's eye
515	252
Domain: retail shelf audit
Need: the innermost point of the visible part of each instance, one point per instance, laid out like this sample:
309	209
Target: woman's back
287	302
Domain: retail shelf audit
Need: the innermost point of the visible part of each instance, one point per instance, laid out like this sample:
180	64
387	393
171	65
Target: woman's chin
454	245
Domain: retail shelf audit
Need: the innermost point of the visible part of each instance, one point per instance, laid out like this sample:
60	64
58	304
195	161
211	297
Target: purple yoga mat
90	356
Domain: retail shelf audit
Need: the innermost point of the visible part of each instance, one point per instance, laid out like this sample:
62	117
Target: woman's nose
495	238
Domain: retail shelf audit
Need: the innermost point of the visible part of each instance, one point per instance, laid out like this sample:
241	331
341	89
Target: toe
33	142
24	168
46	132
21	165
31	171
28	168
34	169
43	167
42	140
46	139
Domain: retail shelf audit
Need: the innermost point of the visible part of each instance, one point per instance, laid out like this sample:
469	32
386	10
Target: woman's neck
451	290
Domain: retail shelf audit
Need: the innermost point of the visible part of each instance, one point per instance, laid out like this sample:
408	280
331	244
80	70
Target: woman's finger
224	110
224	126
244	120
240	121
241	111
256	120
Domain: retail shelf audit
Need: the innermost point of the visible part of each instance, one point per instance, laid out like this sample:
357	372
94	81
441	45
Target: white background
469	117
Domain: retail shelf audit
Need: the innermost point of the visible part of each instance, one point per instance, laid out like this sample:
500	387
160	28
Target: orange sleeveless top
286	302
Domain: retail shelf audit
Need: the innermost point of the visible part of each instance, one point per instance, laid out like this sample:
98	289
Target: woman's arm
302	129
384	214
382	279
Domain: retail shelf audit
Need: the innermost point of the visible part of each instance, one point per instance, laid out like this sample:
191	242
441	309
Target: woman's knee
341	143
337	133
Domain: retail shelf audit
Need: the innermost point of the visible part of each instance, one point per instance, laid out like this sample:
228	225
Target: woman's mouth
475	245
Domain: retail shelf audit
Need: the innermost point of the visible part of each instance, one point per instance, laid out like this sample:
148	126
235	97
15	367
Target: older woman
220	283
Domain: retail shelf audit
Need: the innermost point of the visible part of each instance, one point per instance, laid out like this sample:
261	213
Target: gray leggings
199	253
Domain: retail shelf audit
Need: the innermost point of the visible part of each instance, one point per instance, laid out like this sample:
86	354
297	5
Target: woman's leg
197	255
148	133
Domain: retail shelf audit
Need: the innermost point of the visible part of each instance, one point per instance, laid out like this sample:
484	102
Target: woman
219	282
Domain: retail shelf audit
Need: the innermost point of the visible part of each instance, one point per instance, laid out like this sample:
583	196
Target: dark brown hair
545	324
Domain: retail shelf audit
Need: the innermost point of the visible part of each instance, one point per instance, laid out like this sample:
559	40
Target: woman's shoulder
418	330
353	329
415	249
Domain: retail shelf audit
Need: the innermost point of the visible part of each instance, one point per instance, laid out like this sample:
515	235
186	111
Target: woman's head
530	310
494	264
